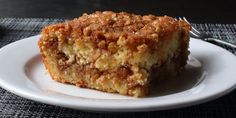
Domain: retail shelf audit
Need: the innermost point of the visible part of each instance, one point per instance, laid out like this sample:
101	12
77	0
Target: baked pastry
115	52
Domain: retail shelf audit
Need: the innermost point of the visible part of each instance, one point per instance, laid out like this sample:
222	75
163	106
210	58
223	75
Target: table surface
26	18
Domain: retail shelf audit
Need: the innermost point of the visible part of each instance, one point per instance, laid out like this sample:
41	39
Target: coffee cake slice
115	52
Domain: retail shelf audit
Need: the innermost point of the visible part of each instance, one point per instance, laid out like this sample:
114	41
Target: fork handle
222	42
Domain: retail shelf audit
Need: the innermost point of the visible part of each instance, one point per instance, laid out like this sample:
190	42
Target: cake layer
114	52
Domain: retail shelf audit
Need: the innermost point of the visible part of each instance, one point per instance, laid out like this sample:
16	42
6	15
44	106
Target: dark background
198	11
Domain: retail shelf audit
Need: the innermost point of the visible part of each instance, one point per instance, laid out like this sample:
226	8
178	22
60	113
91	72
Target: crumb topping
106	27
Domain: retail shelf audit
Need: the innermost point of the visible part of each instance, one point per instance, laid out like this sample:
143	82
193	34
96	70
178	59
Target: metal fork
201	35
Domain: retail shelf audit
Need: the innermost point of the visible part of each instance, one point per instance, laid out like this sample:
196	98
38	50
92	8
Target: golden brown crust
110	26
114	52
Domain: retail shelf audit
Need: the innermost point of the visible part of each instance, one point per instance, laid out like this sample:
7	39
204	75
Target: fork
206	37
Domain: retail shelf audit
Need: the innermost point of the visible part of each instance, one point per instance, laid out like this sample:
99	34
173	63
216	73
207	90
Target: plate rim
123	108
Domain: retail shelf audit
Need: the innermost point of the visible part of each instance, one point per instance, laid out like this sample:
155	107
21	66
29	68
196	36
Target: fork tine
180	18
176	19
194	35
194	29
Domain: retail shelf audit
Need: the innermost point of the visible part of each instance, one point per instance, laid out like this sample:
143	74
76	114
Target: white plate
210	73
